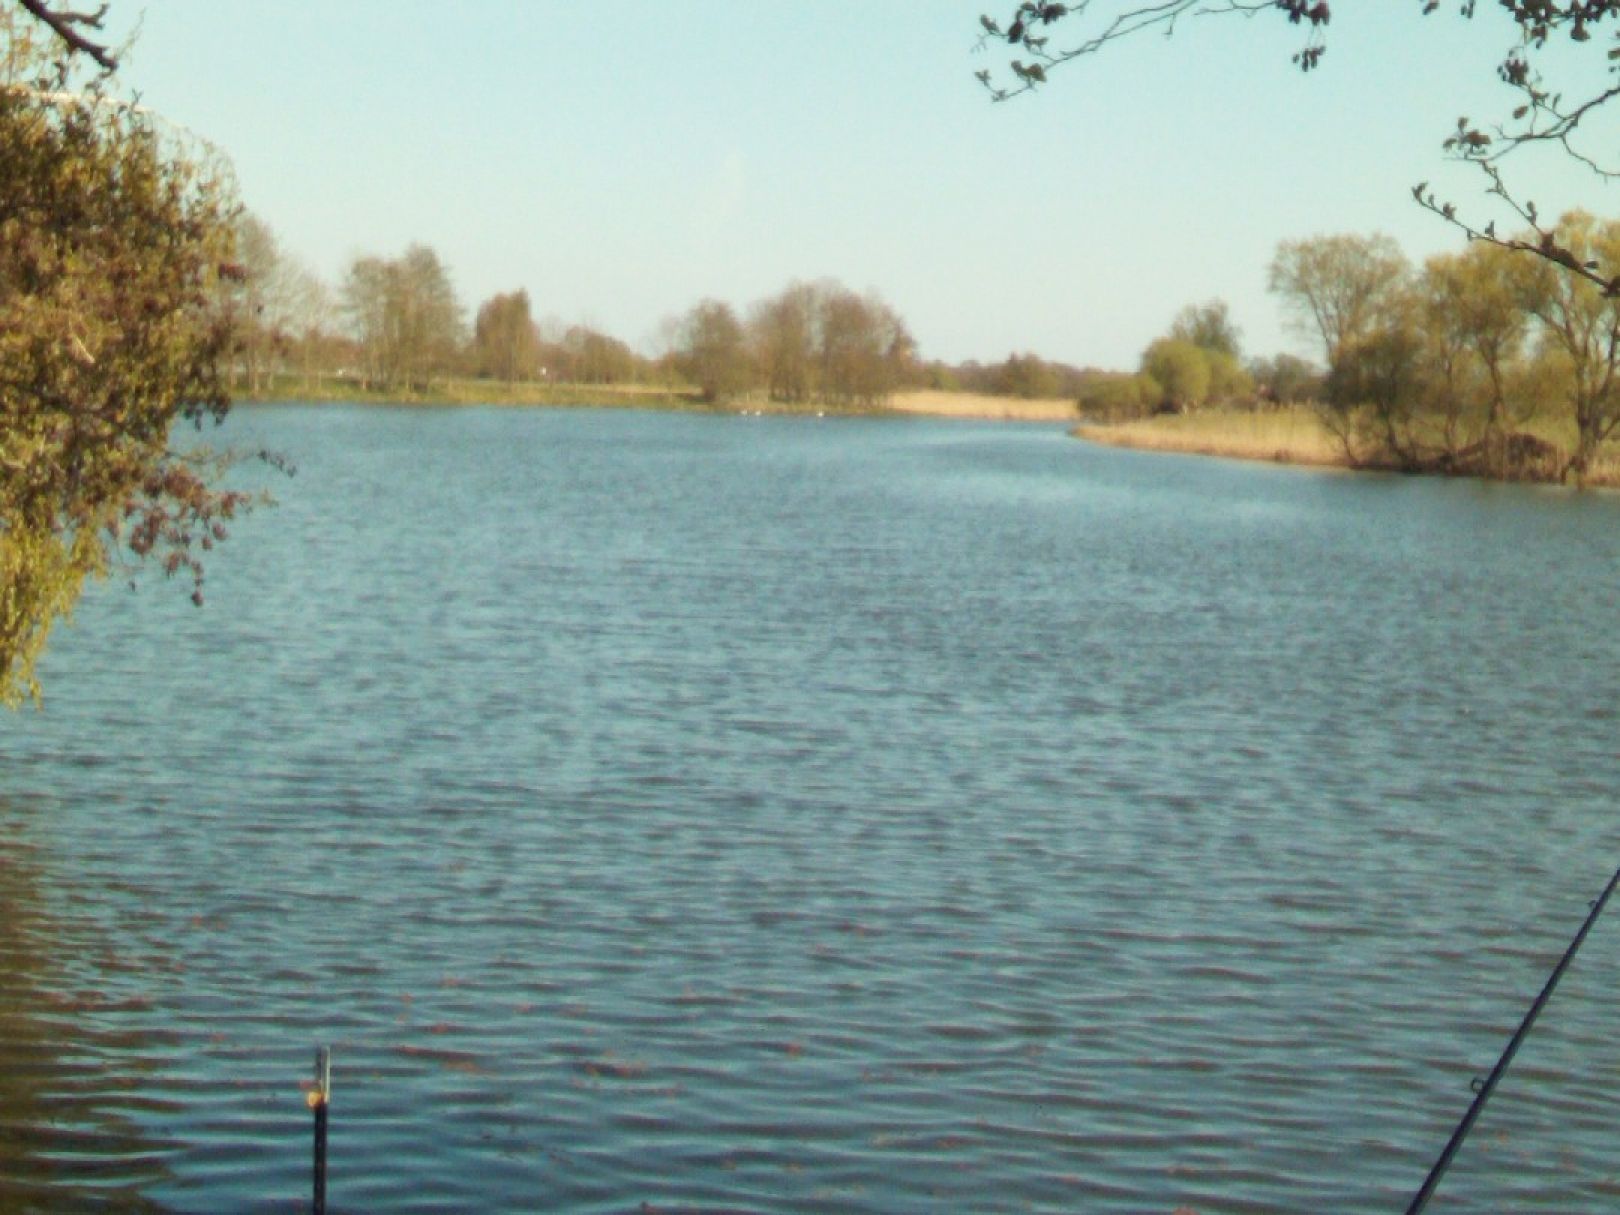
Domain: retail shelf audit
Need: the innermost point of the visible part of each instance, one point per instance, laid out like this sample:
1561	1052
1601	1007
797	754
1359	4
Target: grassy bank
283	388
454	392
1291	435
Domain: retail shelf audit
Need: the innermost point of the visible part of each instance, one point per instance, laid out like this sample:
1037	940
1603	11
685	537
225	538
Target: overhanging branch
70	27
1543	241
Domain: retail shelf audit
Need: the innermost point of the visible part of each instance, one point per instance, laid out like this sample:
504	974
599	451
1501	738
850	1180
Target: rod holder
320	1097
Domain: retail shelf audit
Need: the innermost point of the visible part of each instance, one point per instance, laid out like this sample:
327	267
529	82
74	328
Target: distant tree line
810	342
1198	363
1441	367
396	324
1484	361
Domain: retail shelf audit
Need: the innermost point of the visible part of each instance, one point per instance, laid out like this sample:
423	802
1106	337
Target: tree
596	358
1542	111
365	297
1209	327
309	317
1285	379
1026	375
1338	285
1376	390
113	330
274	297
506	343
405	315
1580	328
1112	396
1472	301
1181	370
712	351
785	333
864	347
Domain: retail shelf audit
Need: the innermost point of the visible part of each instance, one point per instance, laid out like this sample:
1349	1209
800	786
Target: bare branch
70	27
1032	22
1561	128
1542	116
1545	244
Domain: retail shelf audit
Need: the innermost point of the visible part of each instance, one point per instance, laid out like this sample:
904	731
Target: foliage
112	329
785	332
506	343
279	305
1580	331
1027	376
1110	397
1209	327
1443	369
585	356
941	377
864	347
822	341
404	313
1339	286
1229	380
1285	379
713	353
1474	298
1181	370
1375	390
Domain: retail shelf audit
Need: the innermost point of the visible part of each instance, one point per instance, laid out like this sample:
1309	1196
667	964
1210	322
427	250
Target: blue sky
623	161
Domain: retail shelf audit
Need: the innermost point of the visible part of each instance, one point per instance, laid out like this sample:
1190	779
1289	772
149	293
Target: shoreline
936	403
1292	436
463	393
1285	437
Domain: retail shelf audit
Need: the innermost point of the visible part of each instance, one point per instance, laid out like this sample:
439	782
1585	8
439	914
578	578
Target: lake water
808	815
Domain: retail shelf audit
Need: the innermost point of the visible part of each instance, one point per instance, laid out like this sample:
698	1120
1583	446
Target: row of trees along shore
396	325
1480	361
1484	361
122	238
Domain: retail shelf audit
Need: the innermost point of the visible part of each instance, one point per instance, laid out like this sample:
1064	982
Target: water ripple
659	814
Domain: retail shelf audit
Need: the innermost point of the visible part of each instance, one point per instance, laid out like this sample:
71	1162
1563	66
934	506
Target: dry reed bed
980	405
1287	436
1291	435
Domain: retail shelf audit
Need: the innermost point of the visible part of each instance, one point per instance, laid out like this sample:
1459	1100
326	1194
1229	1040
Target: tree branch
69	26
1541	117
1032	21
1545	244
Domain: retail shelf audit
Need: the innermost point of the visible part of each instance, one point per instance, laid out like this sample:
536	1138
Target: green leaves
112	330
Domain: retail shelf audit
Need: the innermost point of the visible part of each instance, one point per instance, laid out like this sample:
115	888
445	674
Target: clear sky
622	161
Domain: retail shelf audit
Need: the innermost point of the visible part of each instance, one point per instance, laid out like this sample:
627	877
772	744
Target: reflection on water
772	814
70	1127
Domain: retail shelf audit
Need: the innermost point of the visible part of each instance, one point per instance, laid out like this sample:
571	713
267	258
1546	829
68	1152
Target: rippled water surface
812	815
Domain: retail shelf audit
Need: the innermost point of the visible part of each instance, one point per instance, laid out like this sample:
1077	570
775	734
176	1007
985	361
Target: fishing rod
1484	1089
